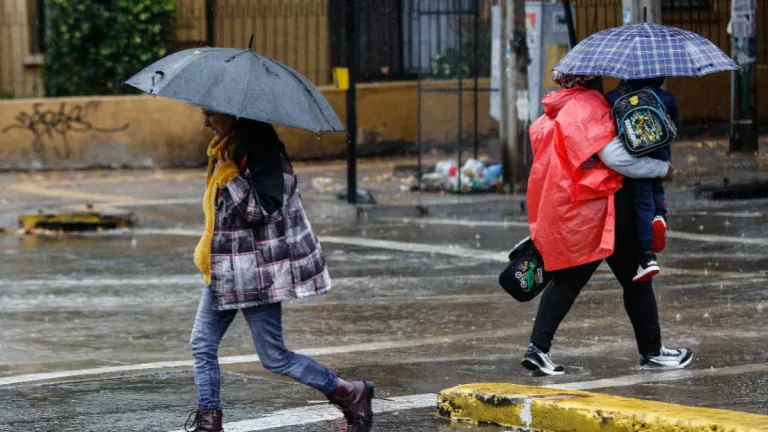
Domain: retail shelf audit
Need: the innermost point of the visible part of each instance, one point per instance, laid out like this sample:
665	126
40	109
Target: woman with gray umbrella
258	248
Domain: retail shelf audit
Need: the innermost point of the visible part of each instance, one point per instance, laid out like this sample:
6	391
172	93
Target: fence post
351	45
514	159
572	40
742	28
503	100
210	22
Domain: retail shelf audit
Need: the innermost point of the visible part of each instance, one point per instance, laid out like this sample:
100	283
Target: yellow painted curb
544	409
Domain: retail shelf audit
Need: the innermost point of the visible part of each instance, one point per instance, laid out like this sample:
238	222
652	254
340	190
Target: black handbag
525	277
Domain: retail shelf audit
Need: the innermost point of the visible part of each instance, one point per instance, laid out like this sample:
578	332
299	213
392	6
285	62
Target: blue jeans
267	332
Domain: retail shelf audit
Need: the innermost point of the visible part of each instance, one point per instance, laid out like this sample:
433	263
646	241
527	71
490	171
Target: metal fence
399	39
294	32
379	51
709	18
191	31
447	45
441	37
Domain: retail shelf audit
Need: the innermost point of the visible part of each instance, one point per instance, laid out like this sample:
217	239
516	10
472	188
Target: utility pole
504	103
210	22
742	28
515	78
515	87
351	45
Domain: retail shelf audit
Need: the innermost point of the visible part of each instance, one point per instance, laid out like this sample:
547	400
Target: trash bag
446	169
524	277
493	176
471	176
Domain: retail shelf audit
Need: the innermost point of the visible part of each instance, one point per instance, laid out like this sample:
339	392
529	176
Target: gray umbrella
241	83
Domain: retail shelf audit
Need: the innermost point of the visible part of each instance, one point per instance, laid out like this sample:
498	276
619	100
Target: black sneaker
648	267
540	362
666	359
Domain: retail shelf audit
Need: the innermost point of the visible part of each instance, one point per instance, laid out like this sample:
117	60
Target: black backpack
642	122
524	277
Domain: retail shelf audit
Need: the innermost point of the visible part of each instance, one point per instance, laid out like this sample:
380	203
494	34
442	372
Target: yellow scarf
223	173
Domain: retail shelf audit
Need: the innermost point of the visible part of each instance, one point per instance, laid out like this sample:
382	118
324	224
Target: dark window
686	5
380	45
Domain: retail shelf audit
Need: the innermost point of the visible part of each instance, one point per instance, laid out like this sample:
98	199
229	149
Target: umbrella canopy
645	51
241	83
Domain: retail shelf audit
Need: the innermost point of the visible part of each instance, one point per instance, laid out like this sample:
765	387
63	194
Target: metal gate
446	44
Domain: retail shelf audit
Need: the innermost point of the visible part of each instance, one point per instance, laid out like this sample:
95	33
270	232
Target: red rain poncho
570	193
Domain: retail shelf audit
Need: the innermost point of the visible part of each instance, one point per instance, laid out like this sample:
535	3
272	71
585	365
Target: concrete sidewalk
150	194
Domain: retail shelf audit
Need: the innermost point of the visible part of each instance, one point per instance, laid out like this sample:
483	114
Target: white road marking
436	249
460	222
367	242
651	377
710	238
364	347
181	279
317	414
138	203
457	251
321	413
724	214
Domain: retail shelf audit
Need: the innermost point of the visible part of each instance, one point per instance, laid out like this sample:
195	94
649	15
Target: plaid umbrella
645	51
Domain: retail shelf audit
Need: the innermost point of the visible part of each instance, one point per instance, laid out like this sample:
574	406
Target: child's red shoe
659	234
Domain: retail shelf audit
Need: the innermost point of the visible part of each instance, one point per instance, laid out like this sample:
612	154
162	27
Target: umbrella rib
309	92
244	97
238	55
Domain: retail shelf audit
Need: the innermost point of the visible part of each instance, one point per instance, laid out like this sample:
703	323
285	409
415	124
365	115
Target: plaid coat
259	258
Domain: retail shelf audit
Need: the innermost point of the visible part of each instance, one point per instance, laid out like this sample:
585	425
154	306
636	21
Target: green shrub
93	46
447	63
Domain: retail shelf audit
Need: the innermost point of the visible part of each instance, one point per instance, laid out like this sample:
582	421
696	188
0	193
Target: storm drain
73	222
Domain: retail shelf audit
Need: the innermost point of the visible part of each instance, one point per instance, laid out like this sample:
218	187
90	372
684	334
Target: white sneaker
667	359
540	362
647	269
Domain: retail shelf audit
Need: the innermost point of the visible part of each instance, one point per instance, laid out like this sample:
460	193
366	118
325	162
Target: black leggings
639	299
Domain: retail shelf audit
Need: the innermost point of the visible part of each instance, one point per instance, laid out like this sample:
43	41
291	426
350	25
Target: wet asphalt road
414	322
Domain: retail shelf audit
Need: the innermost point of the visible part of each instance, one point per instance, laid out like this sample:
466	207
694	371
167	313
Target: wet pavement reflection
414	322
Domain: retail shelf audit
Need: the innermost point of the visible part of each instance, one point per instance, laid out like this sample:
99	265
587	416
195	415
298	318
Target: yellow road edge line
543	409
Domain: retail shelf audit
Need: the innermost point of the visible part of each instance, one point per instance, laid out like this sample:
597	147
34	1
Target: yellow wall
133	131
301	42
19	70
293	32
700	98
140	131
709	97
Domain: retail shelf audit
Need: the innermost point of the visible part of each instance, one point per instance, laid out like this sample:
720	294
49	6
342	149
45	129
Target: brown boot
353	398
204	421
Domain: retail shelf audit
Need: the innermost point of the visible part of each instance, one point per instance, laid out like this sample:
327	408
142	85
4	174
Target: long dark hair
255	138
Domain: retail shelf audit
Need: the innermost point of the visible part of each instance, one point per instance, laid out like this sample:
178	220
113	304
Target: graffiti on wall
51	128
